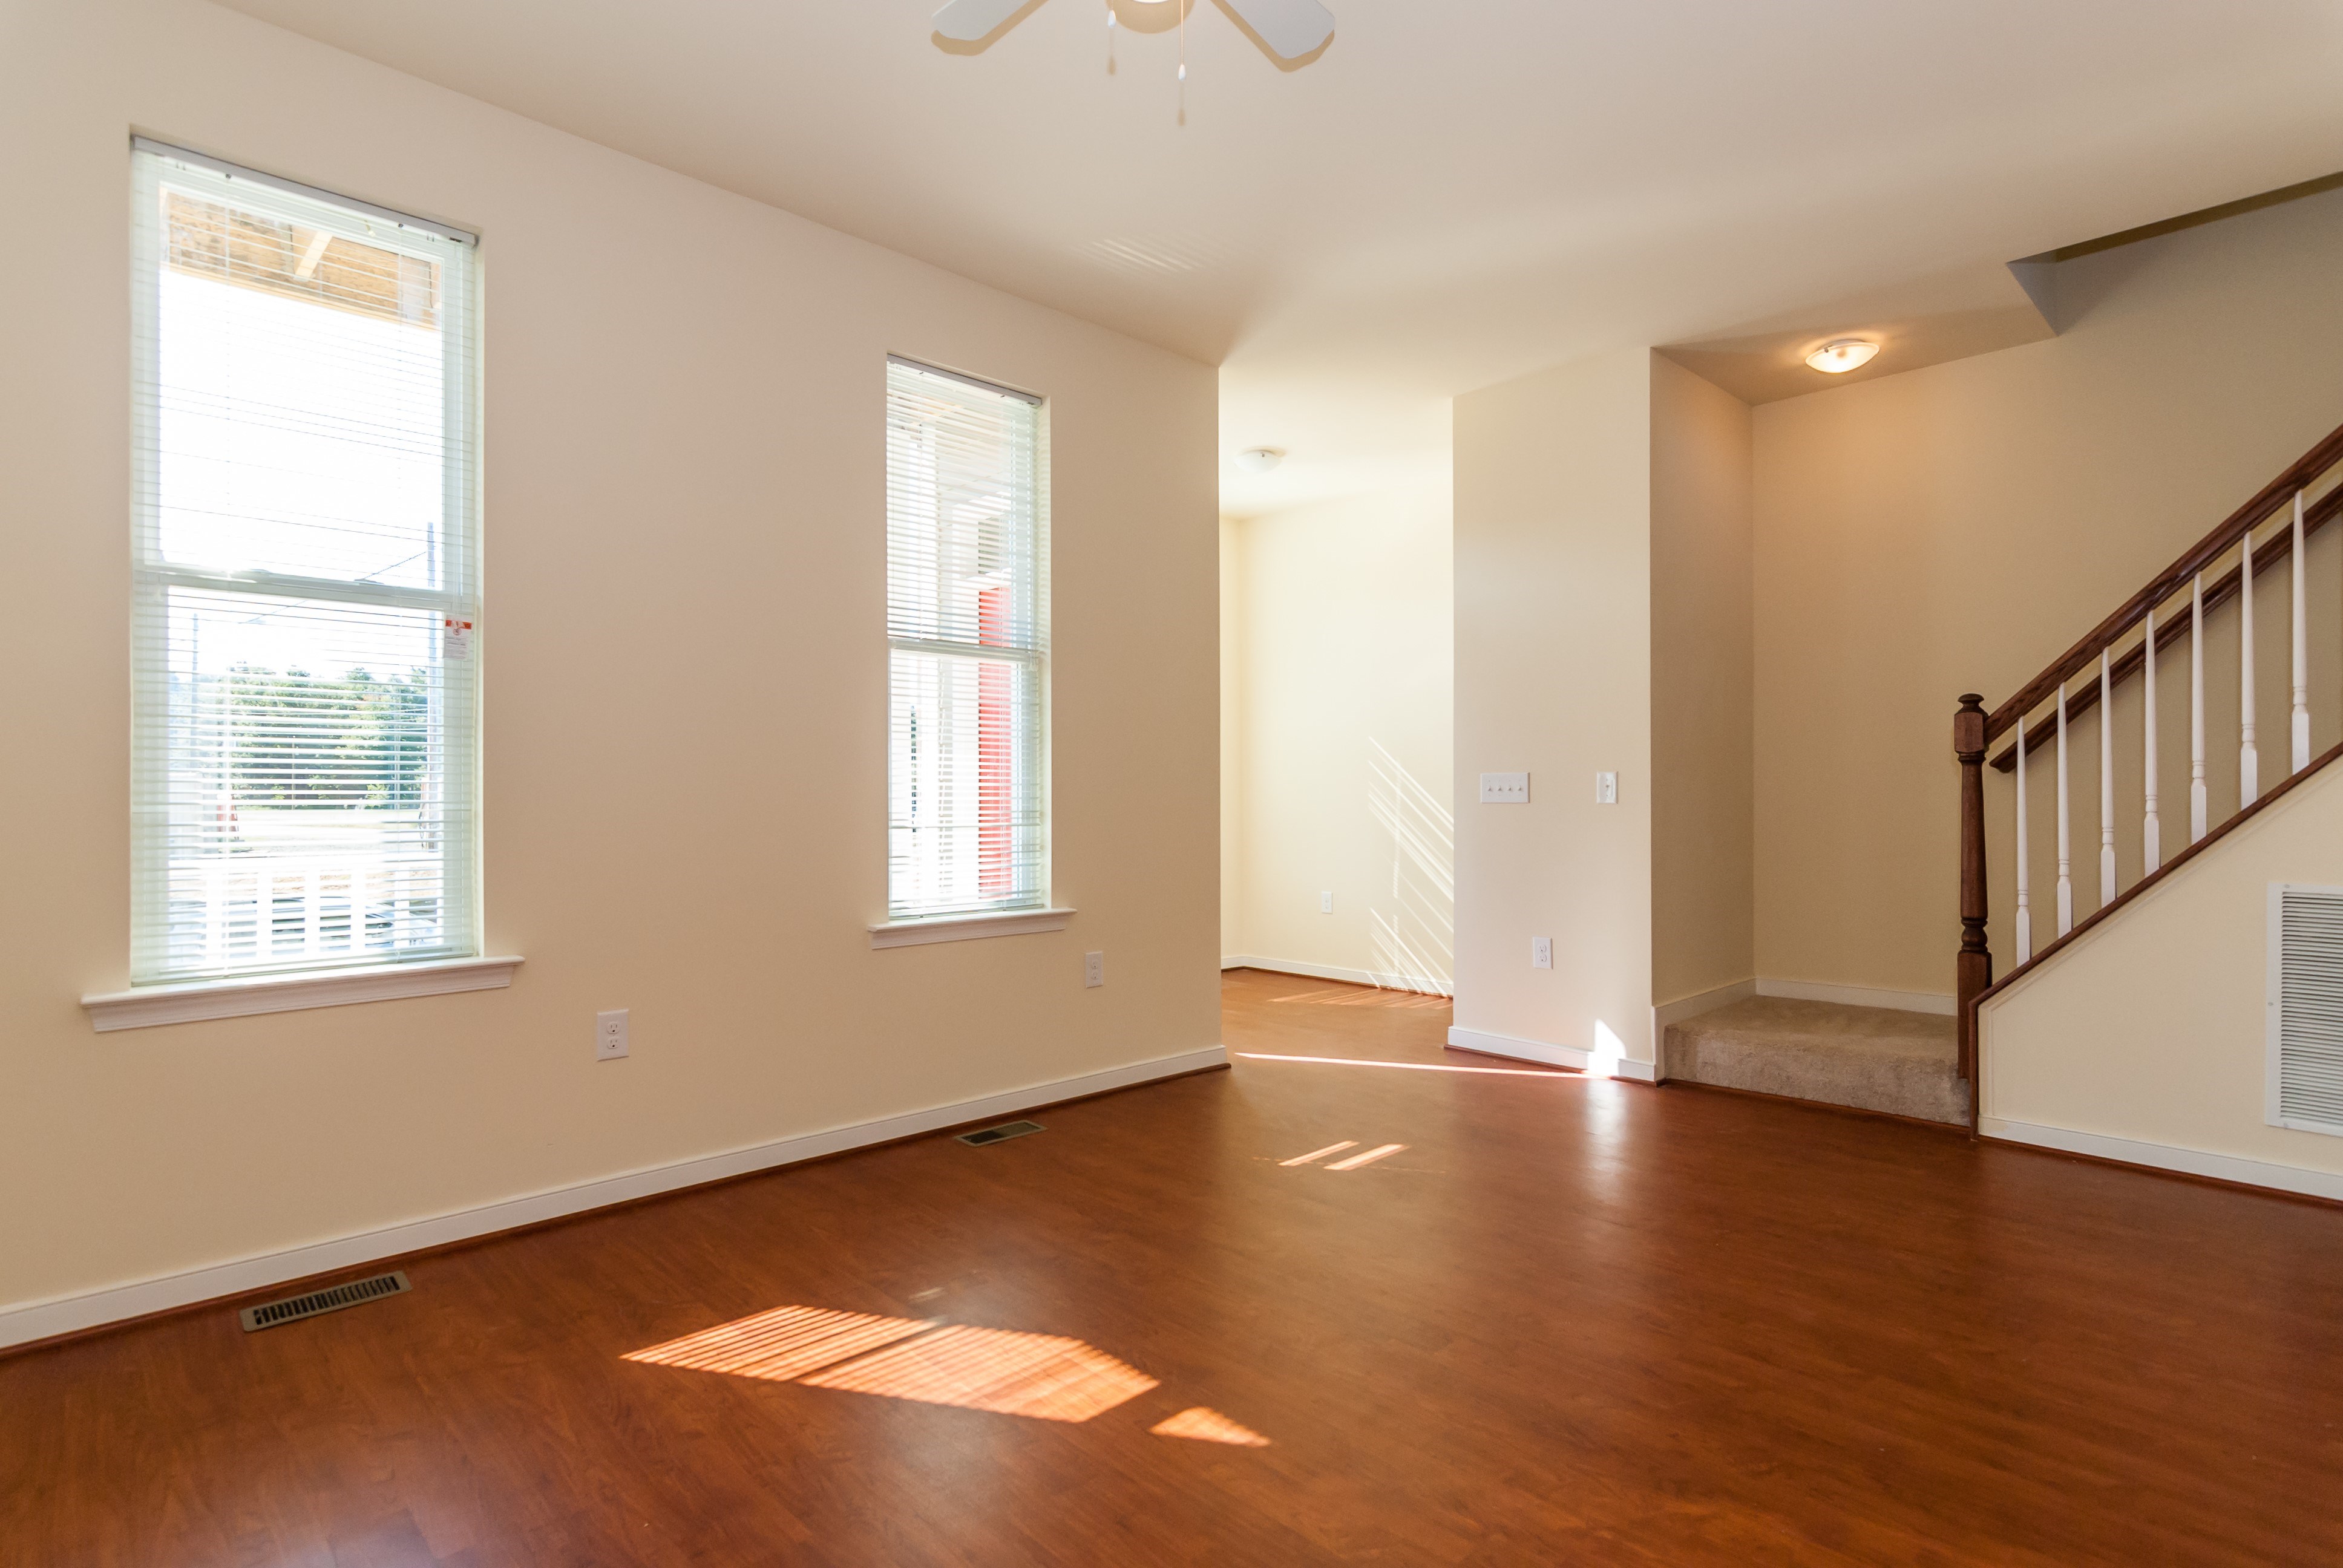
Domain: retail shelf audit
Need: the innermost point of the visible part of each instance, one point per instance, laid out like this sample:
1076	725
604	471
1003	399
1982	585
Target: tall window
967	627
308	593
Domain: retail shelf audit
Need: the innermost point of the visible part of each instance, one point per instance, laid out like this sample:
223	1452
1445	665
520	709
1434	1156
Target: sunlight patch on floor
1359	996
1416	1066
1206	1425
1045	1377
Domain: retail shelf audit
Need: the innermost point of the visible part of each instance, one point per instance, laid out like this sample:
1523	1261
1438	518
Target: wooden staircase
2149	634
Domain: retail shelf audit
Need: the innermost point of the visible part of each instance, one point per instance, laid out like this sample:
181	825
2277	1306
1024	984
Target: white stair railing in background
2125	644
2301	726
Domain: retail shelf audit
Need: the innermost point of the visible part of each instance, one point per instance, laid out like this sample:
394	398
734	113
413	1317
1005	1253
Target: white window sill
196	1000
968	928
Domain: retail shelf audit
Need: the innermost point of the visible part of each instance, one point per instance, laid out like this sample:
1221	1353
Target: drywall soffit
1927	321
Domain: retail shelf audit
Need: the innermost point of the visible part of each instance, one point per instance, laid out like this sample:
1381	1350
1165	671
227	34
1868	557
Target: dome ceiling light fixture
1840	355
1259	460
1290	29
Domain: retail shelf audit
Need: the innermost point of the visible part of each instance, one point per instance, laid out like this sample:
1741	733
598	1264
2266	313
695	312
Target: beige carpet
1869	1057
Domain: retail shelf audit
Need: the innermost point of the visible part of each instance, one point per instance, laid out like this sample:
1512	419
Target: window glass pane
965	815
301	399
307	803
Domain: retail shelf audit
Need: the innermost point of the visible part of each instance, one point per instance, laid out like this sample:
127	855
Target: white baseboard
1858	996
22	1322
1335	972
2169	1156
1693	1006
1553	1055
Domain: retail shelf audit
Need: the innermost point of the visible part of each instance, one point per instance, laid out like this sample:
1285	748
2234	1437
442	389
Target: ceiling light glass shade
1836	358
1259	460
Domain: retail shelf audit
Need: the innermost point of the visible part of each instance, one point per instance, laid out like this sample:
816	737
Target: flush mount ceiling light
1841	355
1259	460
1292	30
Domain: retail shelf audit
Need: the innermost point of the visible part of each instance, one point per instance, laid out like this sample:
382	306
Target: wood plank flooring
1571	1320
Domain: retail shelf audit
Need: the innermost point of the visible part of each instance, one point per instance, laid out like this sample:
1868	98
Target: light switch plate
1504	789
1541	952
1606	789
609	1035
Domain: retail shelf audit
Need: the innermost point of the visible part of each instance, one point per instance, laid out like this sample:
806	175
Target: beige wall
685	682
1702	825
1343	698
2103	1042
1553	639
1956	528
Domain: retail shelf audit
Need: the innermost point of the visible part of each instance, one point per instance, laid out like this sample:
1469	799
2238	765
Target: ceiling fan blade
967	21
1291	27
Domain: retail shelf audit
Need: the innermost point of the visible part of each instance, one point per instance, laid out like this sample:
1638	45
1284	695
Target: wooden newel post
1975	964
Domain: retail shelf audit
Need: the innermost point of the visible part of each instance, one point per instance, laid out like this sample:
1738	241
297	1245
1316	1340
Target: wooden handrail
2304	470
1975	731
2217	592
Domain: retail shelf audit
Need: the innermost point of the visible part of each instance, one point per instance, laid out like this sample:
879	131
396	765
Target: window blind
966	629
307	592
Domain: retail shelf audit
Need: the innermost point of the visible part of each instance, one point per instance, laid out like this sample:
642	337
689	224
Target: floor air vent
2306	1008
332	1299
1006	1129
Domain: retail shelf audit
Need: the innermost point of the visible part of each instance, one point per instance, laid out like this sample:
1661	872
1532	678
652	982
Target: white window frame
909	925
159	993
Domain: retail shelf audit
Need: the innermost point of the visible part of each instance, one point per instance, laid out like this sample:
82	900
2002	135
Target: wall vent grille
2306	1008
332	1299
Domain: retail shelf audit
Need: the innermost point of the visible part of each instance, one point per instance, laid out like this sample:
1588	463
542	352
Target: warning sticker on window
455	640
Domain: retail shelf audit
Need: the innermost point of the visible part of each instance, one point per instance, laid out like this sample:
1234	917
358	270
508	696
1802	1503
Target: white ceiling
1454	192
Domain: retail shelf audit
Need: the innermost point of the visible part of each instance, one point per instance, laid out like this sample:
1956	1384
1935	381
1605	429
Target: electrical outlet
1326	904
609	1035
1541	952
1504	789
1093	969
1606	789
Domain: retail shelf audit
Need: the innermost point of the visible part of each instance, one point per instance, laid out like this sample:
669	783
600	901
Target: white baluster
2196	710
2106	783
2250	759
2151	848
2025	903
2301	653
2065	863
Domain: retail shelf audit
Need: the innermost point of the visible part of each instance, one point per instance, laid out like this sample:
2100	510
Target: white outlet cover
609	1035
1606	789
1093	969
1326	904
1541	952
1504	789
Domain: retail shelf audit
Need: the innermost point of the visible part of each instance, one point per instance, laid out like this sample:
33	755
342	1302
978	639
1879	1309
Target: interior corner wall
685	665
1553	639
1343	636
1956	528
1703	731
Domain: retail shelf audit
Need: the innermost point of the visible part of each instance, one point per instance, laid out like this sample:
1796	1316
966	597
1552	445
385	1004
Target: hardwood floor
1568	1321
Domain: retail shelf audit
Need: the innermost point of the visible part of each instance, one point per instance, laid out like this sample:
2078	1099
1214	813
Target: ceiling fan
1292	28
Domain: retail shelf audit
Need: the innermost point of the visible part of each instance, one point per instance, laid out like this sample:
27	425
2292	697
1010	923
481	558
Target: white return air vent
2306	1008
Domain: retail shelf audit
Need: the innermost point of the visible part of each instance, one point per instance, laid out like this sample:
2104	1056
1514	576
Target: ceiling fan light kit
1290	29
